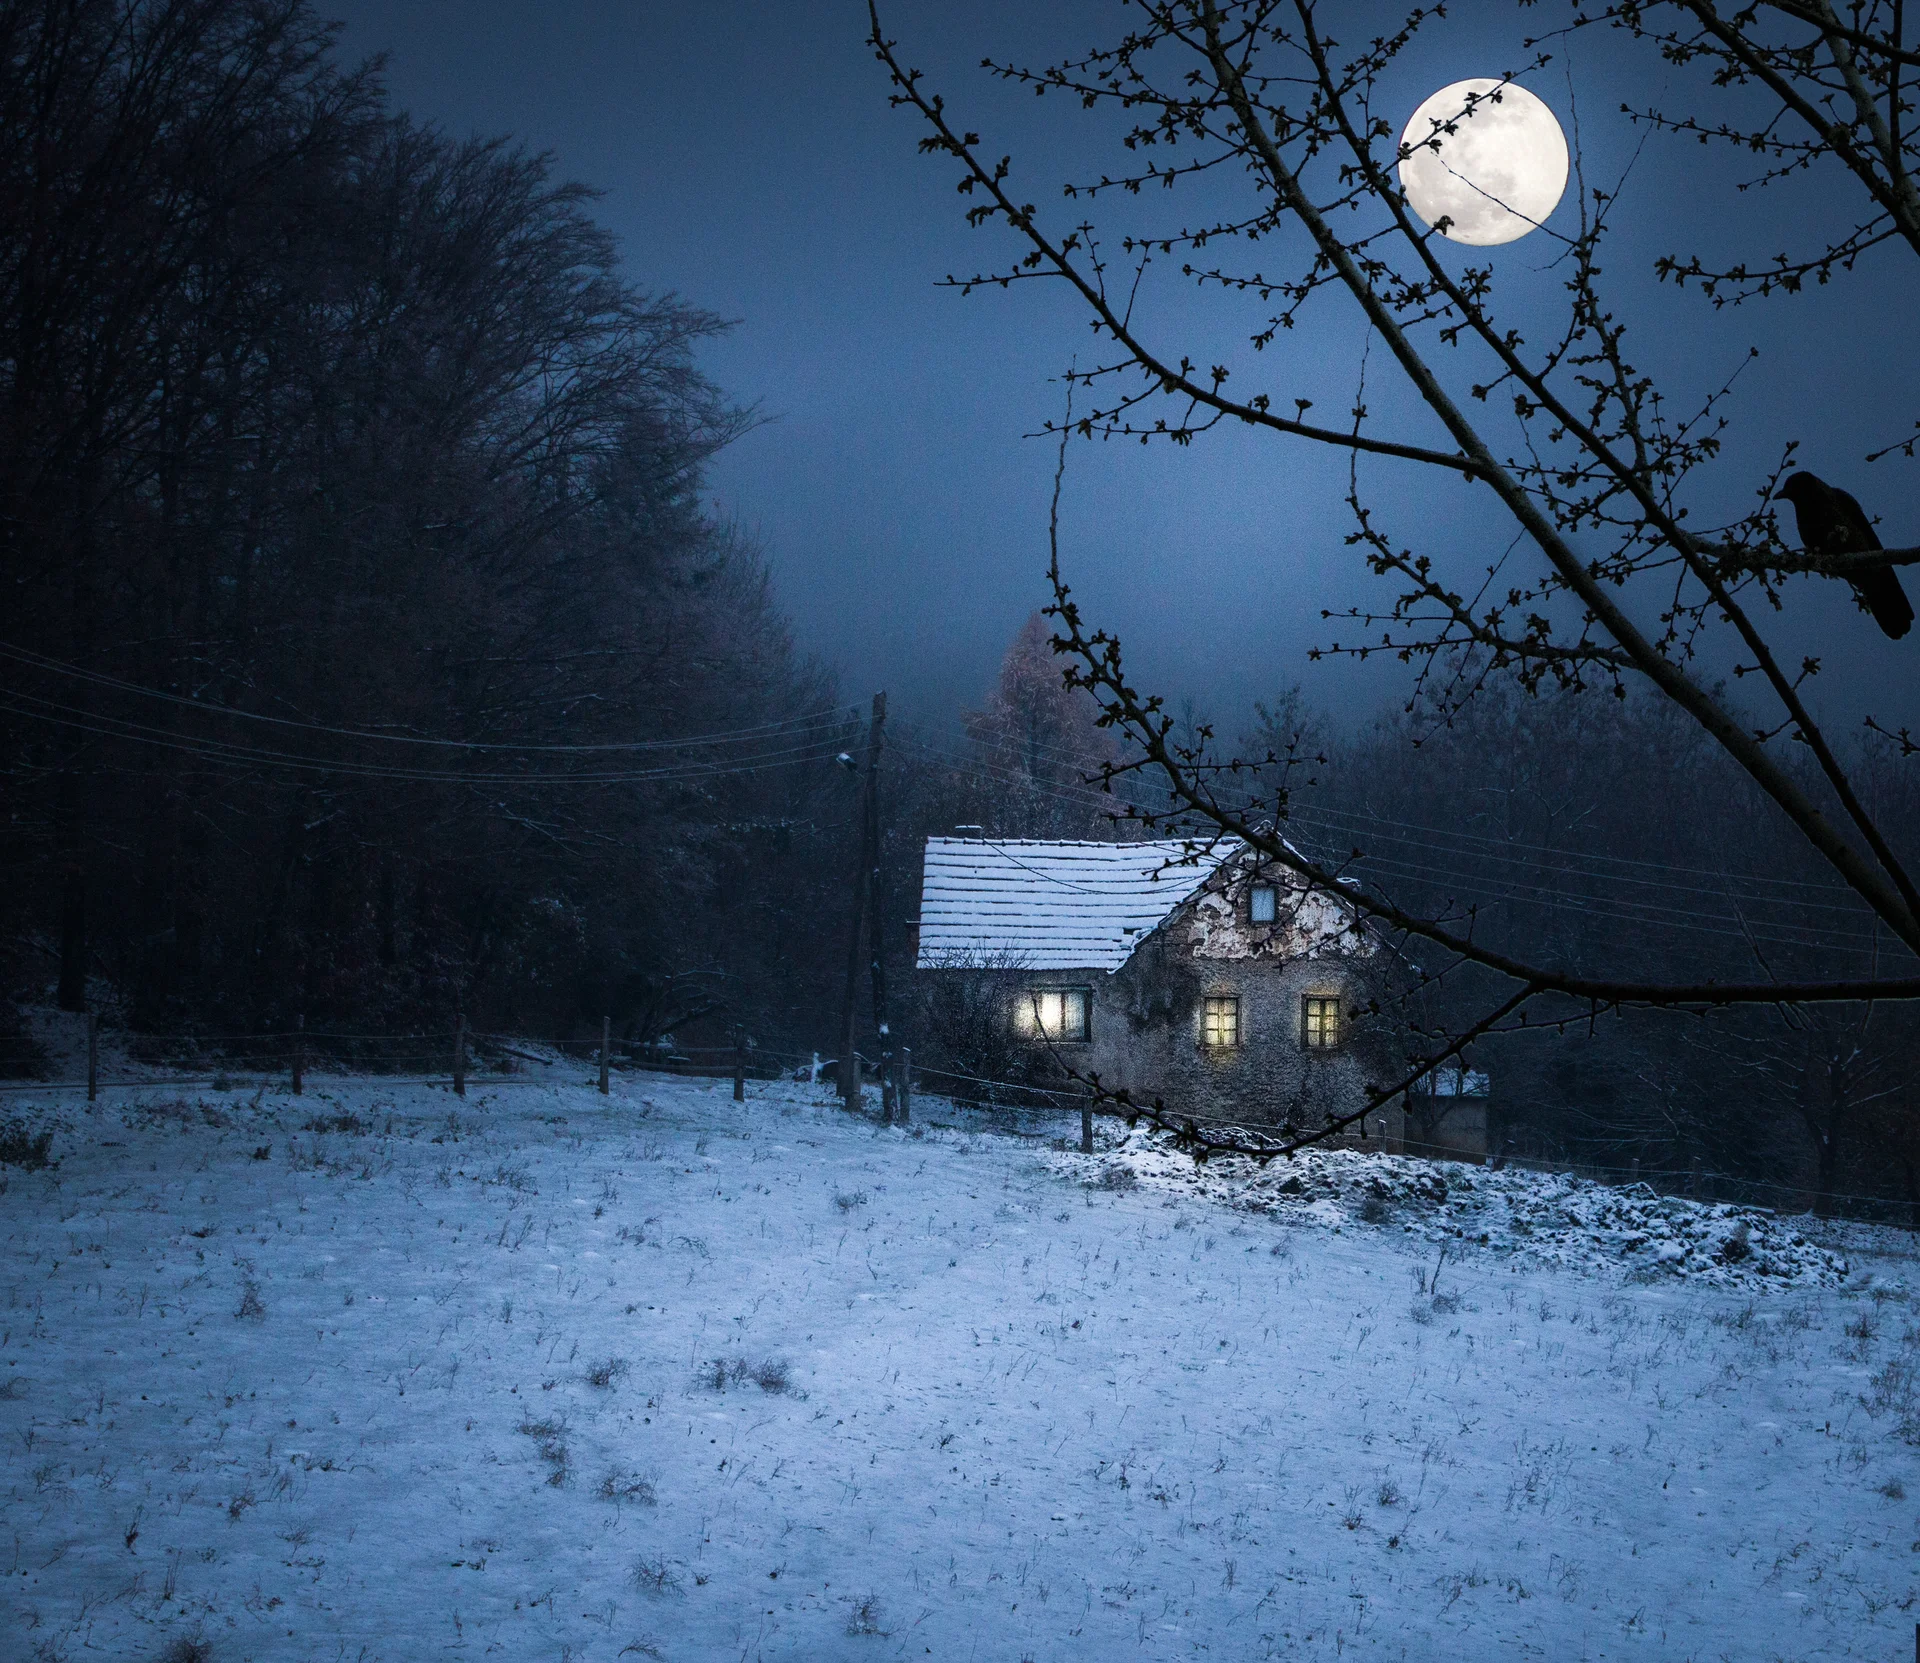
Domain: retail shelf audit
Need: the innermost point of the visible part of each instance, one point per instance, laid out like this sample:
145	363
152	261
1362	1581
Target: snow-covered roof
1043	905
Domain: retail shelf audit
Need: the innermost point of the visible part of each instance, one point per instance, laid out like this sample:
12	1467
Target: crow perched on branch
1831	522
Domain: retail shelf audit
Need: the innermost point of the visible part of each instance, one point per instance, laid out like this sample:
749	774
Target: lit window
1319	1022
1220	1021
1061	1013
1263	903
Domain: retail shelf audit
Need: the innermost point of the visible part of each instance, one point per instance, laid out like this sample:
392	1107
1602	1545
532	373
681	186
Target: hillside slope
375	1373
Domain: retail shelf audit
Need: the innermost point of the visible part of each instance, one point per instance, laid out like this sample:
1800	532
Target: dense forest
371	658
369	653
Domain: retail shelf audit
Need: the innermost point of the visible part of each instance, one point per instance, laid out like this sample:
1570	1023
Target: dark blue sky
751	162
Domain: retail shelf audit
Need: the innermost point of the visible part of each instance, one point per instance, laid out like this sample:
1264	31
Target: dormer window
1263	903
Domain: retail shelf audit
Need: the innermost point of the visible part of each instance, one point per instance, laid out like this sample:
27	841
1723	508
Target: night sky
751	163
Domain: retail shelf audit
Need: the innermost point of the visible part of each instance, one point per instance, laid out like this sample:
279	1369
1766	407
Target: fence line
1696	1180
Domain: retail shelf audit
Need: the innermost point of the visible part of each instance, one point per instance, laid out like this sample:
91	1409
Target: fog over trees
372	656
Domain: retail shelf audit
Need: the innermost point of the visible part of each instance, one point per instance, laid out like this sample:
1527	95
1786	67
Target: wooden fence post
1086	1127
460	1057
740	1065
606	1047
865	896
299	1052
903	1093
93	1056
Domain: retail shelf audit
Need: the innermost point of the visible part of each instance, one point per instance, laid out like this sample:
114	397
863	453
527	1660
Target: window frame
1334	1033
1272	894
1214	1006
1040	1035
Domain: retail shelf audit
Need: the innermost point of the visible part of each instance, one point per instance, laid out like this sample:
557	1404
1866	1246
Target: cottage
1218	981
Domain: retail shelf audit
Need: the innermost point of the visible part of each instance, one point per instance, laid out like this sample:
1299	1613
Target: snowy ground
375	1374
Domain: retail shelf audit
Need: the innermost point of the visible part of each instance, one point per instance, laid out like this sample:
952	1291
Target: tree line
369	654
1581	829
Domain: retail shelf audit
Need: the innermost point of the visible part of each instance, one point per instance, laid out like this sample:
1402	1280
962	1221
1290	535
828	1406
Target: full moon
1497	175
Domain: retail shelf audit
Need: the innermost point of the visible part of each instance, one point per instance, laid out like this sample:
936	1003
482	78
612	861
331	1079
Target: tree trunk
384	908
73	939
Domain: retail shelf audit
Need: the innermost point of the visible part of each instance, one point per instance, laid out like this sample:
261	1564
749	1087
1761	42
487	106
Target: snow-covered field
378	1374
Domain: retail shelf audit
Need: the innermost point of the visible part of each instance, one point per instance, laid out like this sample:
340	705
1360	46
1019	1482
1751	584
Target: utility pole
876	920
863	898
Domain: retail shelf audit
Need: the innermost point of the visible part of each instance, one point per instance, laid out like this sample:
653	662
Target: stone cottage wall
1146	1018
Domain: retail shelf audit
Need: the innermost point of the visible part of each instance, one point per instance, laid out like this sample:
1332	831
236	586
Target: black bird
1831	522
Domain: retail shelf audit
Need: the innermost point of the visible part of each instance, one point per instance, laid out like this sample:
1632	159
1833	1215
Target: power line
68	716
1373	821
38	661
1625	909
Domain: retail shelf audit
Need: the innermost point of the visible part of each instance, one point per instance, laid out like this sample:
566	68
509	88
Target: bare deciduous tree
1272	138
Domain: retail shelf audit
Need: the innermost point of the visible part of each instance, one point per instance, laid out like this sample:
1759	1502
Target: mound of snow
1631	1232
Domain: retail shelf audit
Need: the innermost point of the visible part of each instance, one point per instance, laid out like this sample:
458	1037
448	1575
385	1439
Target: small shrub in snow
853	1198
655	1576
622	1485
19	1148
1389	1493
1116	1177
770	1374
605	1374
1375	1209
863	1616
1894	1490
346	1125
250	1305
188	1649
550	1438
1896	1392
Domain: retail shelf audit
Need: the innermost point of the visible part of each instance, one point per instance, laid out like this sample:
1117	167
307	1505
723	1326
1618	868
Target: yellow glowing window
1220	1021
1319	1022
1061	1013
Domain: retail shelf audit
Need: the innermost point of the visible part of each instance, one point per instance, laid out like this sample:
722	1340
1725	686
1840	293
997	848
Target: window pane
1059	1013
1320	1022
1263	903
1073	1013
1220	1021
